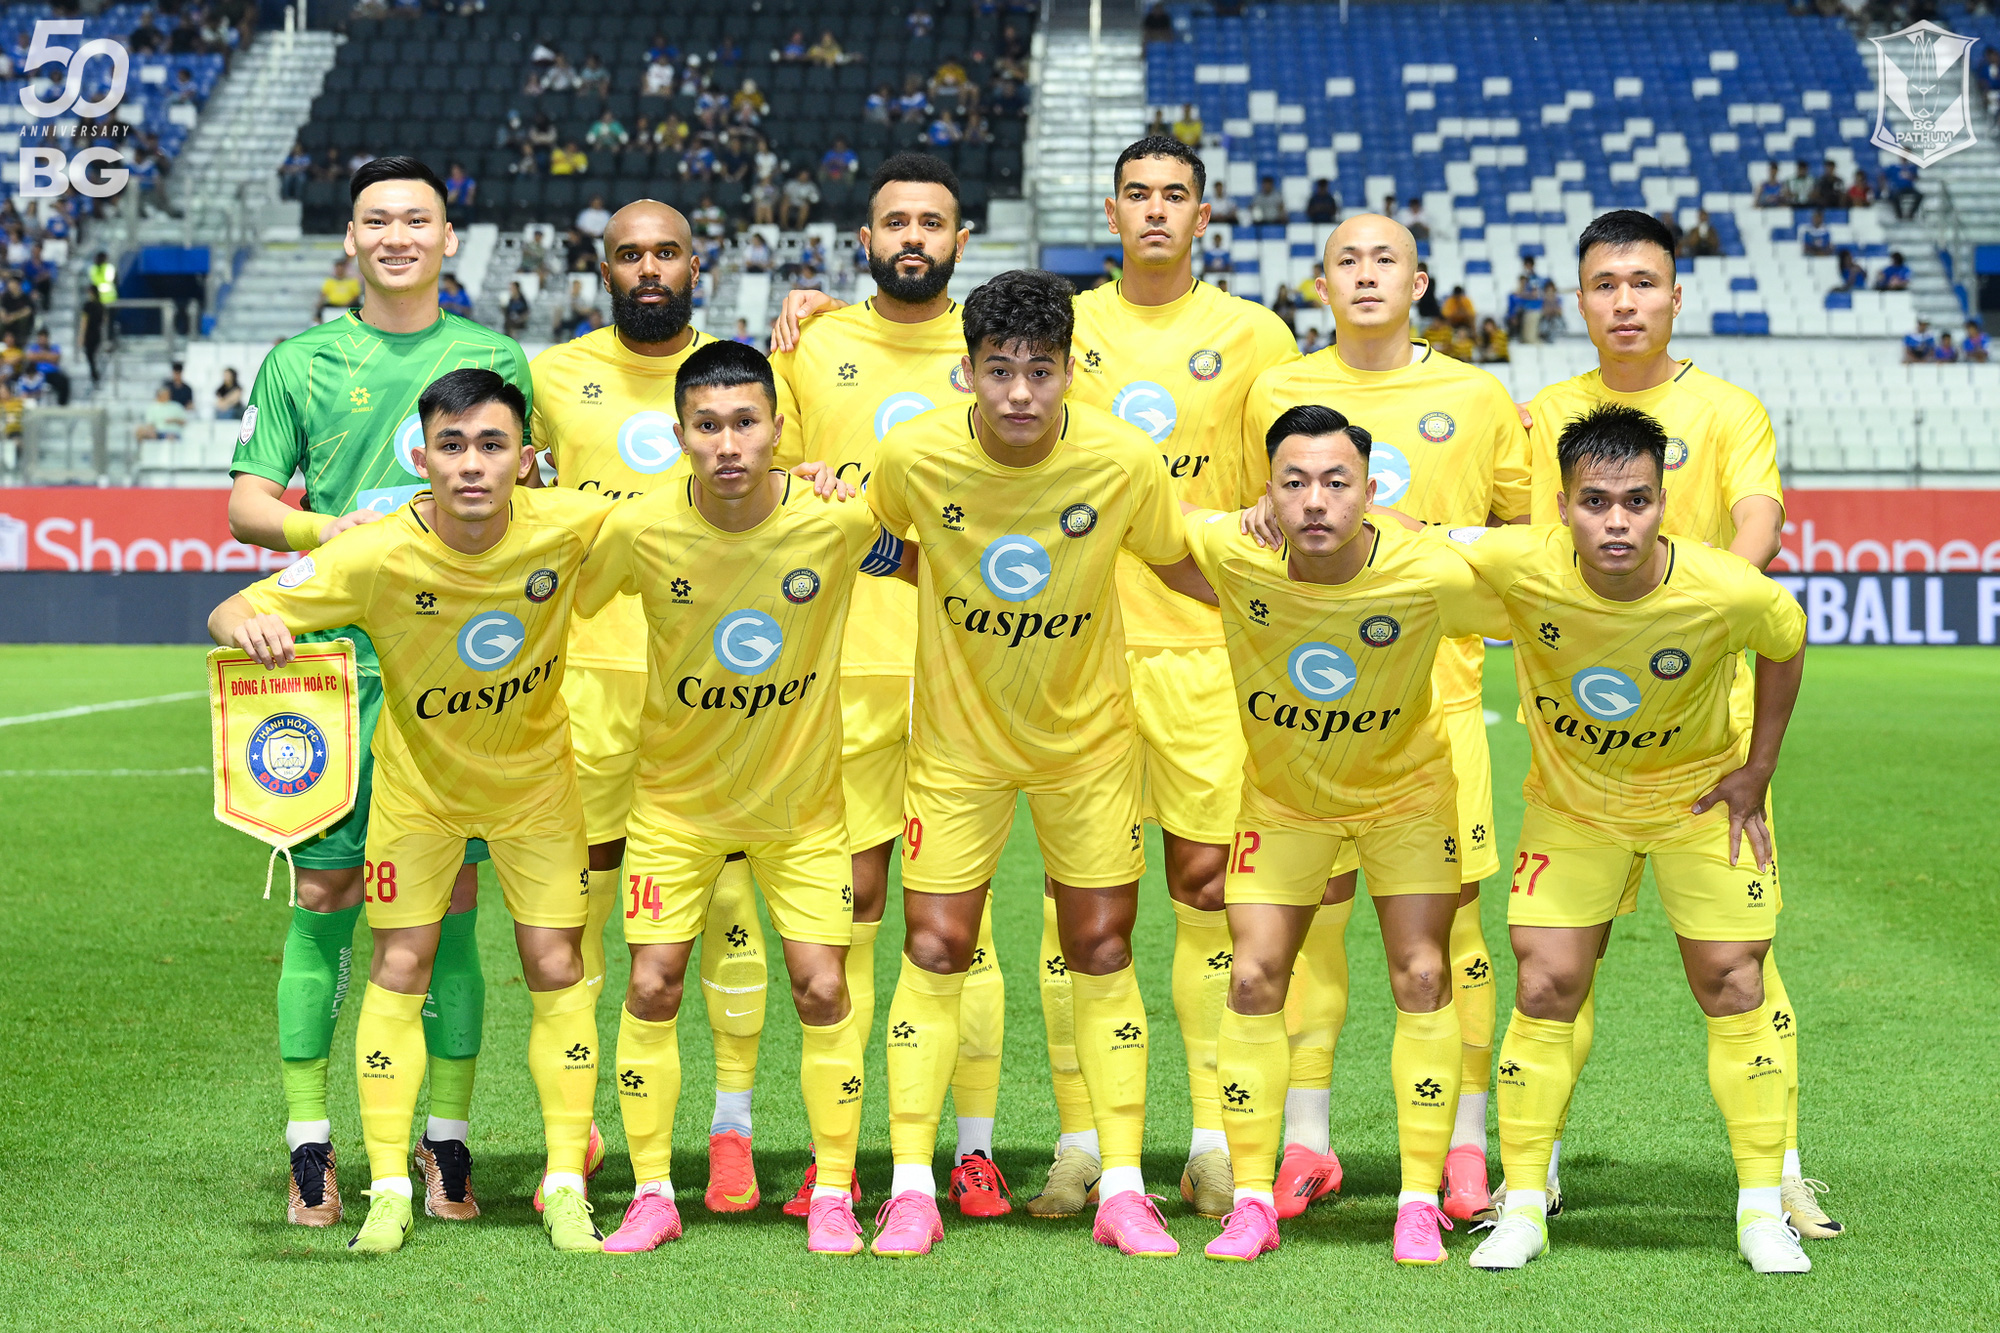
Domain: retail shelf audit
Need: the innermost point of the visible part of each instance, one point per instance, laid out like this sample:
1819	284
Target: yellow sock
1784	1022
562	1056
1201	983
982	1023
923	1047
861	976
1472	969
389	1061
1424	1063
733	977
830	1081
1253	1066
1585	1029
649	1092
1316	1005
604	886
1746	1072
1535	1079
1111	1050
1059	1017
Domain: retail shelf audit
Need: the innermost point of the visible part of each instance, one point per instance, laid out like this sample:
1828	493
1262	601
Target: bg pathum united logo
1923	93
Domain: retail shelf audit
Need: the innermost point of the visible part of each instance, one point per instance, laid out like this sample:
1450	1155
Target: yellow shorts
1190	738
604	708
541	858
1088	825
1567	874
1472	767
1630	902
875	742
1288	866
669	874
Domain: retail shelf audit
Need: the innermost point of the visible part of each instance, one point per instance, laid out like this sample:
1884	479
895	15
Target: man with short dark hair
467	590
1628	645
338	403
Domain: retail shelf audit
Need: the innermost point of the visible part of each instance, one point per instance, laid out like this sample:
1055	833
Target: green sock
451	1088
319	951
455	1008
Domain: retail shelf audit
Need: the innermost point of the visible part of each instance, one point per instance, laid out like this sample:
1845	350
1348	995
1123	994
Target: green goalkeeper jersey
338	405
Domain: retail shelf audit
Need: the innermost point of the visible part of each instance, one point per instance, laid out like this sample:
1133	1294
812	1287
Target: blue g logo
409	436
1321	671
1015	568
646	442
747	641
490	640
898	408
1606	694
1148	406
1390	472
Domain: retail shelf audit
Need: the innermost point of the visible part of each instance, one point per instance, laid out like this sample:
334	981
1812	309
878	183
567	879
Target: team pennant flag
287	743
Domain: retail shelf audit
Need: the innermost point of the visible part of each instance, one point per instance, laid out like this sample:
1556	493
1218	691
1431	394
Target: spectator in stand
461	195
292	172
662	79
1701	239
579	253
39	275
793	52
542	134
800	194
943	131
1156	128
734	162
1860	194
1457	310
569	160
709	220
1492	340
176	385
452	296
661	48
1552	311
1944	351
1902	176
743	334
1799	189
514	314
165	418
1323	205
838	163
184	91
1921	345
919	21
44	358
877	109
337	293
765	196
764	161
228	396
525	164
1157	25
1268	208
593	218
1285	305
756	254
1895	275
1221	205
1972	347
1310	343
809	279
749	106
1113	271
94	320
1828	192
558	77
914	102
1853	277
1815	238
1307	288
332	167
1666	219
813	254
1216	259
948	86
1413	218
593	79
1989	79
826	51
1188	129
606	133
1771	193
1005	98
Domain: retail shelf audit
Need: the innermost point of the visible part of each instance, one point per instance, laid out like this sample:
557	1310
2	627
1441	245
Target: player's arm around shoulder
323	590
612	562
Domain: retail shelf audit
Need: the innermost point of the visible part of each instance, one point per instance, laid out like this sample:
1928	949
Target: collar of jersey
625	358
451	552
694	511
1420	354
1644	396
897	330
1361	576
1007	469
1576	571
405	339
1160	312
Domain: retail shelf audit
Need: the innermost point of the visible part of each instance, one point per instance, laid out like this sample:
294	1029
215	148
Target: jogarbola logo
1092	361
801	586
541	585
286	754
1078	519
1677	453
1205	364
1671	663
1437	427
682	590
359	398
847	372
1380	631
591	393
959	379
427	603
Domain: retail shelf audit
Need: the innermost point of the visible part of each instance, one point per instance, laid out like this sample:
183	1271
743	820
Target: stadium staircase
1091	103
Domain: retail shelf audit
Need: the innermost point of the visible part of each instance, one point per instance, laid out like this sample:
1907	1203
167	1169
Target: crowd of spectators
1895	184
1926	348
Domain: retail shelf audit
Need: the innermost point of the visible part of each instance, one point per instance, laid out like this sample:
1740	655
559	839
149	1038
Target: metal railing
68	446
1945	226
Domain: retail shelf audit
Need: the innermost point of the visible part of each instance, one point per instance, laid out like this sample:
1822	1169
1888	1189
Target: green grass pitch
142	1165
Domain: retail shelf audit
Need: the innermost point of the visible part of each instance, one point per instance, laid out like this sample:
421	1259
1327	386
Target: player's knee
654	994
820	996
330	890
1421	984
1257	985
1547	995
1098	954
941	948
1732	986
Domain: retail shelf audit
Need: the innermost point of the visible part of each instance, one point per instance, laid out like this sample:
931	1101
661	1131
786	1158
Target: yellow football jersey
852	377
1627	703
605	417
1449	450
473	723
740	736
1333	682
1720	448
1179	372
1020	654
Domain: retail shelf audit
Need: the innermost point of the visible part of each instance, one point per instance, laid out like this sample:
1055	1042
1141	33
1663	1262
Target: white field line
112	707
103	772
